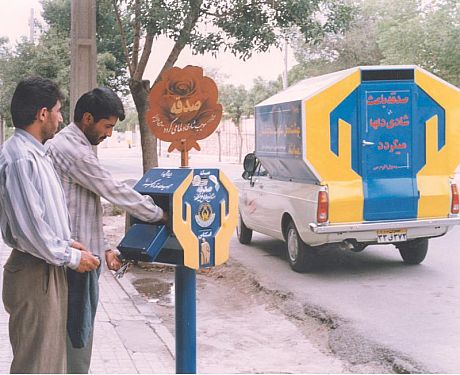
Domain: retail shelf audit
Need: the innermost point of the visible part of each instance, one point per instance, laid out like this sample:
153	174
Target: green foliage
56	14
108	42
129	123
311	68
239	102
111	66
234	100
357	46
49	59
4	62
239	26
431	39
262	90
385	32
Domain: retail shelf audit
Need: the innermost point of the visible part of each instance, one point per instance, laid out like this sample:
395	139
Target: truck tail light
322	214
454	208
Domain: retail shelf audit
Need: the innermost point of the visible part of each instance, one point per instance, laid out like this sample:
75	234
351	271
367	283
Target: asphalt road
379	305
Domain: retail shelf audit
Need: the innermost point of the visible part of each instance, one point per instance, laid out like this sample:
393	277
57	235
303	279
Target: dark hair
101	102
31	95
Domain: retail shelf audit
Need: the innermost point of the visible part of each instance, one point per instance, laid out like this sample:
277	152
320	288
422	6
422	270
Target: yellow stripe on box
433	178
228	222
183	228
346	201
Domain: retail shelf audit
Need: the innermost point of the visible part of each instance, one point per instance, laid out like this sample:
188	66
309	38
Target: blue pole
185	320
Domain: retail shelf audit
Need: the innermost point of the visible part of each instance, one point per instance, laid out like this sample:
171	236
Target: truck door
386	135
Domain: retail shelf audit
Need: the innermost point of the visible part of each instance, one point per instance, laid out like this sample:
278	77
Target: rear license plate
389	236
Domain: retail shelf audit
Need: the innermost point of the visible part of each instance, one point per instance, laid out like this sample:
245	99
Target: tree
262	90
50	57
235	102
238	26
110	60
4	56
430	40
130	121
356	46
389	32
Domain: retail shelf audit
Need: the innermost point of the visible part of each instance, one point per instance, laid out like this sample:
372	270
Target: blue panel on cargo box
386	150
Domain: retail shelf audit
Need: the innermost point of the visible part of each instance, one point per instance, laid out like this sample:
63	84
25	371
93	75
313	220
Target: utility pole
285	64
83	49
2	131
32	26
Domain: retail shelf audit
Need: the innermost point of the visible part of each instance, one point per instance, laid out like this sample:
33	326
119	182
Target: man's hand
165	218
79	246
88	262
113	262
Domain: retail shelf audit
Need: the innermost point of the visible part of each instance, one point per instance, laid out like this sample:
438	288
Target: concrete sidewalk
129	338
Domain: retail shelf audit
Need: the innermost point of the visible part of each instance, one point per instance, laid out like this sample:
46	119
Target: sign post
202	203
185	289
185	306
183	109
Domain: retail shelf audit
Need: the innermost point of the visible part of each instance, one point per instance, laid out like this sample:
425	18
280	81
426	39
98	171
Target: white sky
14	24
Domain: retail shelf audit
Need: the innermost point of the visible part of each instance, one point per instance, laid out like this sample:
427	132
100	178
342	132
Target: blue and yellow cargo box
384	140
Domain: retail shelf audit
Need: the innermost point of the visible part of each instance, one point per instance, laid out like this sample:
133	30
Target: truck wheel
243	232
413	252
300	255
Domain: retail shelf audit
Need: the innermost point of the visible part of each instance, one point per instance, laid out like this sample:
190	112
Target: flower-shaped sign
183	107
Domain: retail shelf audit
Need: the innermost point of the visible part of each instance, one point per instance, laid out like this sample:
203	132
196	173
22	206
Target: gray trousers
35	296
79	359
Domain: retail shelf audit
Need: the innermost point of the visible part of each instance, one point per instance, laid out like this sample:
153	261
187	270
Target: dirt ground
242	327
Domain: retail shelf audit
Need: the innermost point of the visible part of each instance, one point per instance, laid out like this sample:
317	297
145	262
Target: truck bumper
373	226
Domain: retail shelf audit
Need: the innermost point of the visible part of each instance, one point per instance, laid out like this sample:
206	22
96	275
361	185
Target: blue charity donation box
202	208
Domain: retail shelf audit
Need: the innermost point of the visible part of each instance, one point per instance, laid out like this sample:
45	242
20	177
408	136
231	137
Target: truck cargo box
384	140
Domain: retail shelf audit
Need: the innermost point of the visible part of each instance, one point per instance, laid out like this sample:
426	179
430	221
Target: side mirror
250	164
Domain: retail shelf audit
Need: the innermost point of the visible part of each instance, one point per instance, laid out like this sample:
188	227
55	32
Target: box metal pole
185	320
185	308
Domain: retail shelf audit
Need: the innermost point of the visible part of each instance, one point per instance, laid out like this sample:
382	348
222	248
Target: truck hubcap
293	245
238	225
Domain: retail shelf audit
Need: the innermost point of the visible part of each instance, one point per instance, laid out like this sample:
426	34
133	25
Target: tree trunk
218	131
140	93
240	137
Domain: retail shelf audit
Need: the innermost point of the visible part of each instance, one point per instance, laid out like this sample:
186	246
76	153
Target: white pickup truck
358	157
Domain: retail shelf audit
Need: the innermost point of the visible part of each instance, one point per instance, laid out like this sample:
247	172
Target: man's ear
87	118
42	114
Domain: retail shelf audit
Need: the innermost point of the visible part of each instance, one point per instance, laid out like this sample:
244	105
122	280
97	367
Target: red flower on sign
183	107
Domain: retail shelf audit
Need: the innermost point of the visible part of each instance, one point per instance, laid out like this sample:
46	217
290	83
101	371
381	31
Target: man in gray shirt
34	221
85	180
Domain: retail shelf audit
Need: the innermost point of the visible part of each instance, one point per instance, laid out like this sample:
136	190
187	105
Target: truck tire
300	256
414	251
243	232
